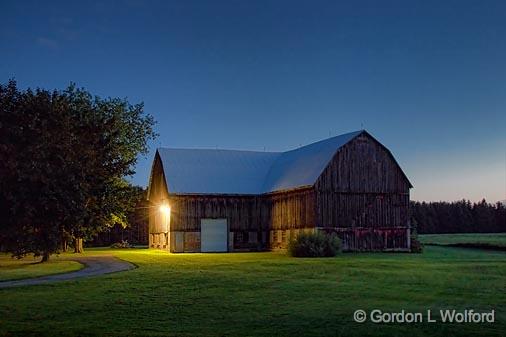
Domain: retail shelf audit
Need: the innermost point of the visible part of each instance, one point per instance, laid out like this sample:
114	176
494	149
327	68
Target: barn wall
291	212
364	196
363	165
372	239
248	219
255	222
243	212
336	209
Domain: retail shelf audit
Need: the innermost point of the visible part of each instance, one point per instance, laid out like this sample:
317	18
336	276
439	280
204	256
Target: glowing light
165	209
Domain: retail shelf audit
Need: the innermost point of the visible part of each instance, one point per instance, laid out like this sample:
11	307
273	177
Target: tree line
65	157
458	217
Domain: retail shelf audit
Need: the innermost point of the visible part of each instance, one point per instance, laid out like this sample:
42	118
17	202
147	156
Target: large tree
64	156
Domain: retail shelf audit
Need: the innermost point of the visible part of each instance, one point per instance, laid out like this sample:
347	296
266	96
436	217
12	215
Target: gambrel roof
206	171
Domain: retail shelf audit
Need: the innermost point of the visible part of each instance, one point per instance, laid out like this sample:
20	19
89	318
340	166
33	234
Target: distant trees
458	217
64	156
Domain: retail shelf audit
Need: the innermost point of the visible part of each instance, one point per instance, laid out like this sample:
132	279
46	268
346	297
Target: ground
264	294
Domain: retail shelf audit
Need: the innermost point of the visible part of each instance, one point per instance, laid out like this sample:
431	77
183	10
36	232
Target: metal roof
202	171
215	171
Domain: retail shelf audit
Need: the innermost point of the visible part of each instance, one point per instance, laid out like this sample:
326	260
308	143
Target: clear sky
427	78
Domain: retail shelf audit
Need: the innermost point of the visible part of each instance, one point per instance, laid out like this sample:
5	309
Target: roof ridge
237	150
211	149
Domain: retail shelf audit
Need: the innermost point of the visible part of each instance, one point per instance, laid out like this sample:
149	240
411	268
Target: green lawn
264	294
492	240
13	269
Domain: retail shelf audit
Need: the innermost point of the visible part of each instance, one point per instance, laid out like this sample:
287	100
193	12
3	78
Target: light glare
165	209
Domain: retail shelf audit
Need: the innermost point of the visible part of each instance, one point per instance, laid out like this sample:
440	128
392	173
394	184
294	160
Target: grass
477	240
263	294
28	267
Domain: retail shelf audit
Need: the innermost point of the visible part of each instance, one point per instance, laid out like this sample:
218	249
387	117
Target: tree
118	132
65	156
132	225
34	199
459	217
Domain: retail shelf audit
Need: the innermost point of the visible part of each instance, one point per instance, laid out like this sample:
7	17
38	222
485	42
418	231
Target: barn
204	200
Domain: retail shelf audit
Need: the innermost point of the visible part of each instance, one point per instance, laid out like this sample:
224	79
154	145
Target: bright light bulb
165	209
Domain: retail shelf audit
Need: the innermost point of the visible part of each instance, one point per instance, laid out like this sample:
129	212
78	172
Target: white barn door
213	235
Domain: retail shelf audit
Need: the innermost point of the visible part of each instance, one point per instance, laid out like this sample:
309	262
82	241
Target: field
476	240
264	294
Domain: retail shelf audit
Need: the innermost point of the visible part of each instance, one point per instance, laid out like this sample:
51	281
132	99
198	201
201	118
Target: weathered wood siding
251	219
362	188
373	239
291	212
243	212
362	209
293	209
248	218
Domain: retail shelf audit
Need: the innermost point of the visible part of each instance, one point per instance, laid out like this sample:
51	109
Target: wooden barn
227	200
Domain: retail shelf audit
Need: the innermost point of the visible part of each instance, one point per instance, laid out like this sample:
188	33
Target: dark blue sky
427	78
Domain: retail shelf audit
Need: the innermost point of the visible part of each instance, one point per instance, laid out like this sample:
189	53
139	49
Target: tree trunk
78	245
45	257
64	242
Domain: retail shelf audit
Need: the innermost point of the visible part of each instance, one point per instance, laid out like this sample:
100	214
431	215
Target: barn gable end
157	194
363	194
363	165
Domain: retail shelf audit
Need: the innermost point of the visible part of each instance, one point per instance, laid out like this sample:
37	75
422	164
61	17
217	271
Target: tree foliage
458	217
64	159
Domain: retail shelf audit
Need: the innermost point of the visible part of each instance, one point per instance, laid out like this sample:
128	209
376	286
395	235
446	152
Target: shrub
317	244
416	246
122	244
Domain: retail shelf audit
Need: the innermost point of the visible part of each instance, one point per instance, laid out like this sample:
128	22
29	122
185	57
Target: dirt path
93	266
